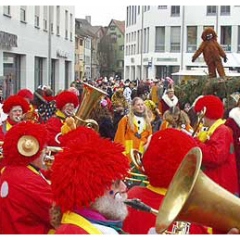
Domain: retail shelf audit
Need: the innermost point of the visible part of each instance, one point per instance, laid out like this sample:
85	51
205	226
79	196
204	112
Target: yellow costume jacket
129	138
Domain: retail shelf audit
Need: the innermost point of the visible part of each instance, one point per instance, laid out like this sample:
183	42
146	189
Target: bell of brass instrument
91	96
193	197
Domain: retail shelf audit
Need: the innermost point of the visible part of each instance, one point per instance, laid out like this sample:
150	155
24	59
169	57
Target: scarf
205	135
170	102
95	217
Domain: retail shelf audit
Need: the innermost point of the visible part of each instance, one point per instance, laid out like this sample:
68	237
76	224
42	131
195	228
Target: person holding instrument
160	163
25	194
88	189
216	143
66	103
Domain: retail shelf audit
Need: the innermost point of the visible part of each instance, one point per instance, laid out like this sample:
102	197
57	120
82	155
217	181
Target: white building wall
189	16
34	42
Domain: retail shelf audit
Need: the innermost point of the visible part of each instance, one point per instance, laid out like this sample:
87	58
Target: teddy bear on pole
212	53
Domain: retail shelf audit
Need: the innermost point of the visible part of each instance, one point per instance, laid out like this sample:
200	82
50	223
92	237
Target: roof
120	25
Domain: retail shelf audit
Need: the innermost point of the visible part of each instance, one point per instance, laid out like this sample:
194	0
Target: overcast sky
101	14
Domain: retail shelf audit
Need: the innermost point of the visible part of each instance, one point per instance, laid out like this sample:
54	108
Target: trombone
138	176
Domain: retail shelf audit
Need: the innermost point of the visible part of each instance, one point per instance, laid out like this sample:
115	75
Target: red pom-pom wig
11	153
15	100
25	93
66	97
164	154
213	104
86	168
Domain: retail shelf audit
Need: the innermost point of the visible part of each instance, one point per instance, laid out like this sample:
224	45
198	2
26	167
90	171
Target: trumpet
48	157
140	177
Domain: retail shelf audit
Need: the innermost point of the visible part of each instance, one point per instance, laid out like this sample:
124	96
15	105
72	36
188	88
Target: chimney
88	18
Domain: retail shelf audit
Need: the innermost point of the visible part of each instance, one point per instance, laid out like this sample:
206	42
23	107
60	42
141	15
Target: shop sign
8	40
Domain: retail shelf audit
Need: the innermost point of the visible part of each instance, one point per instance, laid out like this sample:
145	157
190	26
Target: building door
11	72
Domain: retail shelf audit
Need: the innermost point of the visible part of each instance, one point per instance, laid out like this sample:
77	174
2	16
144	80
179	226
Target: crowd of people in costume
84	190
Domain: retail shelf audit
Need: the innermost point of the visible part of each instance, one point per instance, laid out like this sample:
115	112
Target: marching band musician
66	103
15	107
31	114
216	143
89	189
25	194
164	154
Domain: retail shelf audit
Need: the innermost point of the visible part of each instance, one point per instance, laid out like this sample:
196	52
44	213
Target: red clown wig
12	156
213	105
25	93
164	154
66	97
86	168
15	100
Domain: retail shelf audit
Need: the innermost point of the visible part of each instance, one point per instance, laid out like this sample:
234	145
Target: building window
160	39
36	18
38	71
71	27
58	21
226	36
76	43
51	9
191	38
66	24
238	48
162	6
120	63
211	10
7	10
45	17
175	11
175	39
225	10
146	40
121	48
23	14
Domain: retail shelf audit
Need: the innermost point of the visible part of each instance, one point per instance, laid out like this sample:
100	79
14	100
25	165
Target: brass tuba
91	96
193	197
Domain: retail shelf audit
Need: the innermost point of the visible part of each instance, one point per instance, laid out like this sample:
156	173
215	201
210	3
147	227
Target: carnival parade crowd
69	169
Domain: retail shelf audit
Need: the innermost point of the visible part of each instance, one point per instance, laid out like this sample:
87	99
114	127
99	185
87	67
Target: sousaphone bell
194	197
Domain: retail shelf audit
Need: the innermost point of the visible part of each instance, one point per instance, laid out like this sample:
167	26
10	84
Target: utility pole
49	48
141	70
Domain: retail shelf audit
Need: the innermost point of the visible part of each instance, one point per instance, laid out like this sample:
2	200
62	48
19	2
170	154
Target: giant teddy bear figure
212	53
